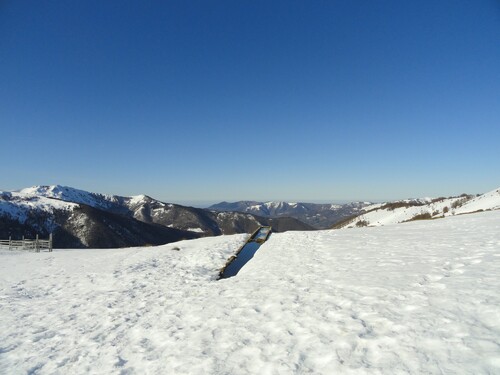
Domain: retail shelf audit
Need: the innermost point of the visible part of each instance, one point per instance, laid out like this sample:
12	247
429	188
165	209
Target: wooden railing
35	245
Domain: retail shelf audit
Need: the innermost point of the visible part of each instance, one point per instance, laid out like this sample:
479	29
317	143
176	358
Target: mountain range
359	214
319	216
78	218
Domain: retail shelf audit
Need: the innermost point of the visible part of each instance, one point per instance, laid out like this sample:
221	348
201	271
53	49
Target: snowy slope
387	216
69	194
18	206
134	206
488	201
416	298
426	208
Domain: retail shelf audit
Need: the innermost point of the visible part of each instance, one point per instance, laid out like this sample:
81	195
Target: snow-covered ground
421	297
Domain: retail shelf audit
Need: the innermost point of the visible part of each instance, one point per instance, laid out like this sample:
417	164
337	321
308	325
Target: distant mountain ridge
150	210
84	219
319	216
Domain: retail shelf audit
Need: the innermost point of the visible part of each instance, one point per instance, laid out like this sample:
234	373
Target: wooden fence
35	245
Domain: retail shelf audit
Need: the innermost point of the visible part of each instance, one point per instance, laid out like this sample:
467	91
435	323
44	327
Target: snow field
422	297
414	298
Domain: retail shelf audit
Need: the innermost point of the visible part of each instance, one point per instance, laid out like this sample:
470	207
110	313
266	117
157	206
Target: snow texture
421	297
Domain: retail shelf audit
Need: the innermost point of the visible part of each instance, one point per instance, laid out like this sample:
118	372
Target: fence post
50	242
24	245
37	249
10	242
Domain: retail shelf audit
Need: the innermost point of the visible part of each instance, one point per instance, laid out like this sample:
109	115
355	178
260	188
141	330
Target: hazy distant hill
83	219
320	216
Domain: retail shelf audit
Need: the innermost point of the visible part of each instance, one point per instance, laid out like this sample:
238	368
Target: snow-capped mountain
24	213
150	210
21	207
320	216
421	209
68	194
82	219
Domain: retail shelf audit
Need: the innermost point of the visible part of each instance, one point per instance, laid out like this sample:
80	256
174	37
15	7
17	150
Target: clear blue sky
226	100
